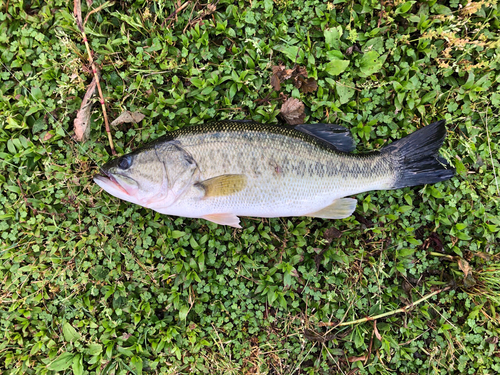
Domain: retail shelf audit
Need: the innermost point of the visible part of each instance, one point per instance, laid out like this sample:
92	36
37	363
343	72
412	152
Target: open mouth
108	180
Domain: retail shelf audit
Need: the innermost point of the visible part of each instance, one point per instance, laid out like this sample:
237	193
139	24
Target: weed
92	284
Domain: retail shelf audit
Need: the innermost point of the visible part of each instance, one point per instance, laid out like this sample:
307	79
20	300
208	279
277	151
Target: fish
223	170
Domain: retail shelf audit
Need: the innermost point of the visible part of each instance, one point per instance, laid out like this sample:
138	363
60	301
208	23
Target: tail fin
416	157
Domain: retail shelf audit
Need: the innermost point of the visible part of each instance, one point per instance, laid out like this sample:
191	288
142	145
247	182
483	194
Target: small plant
92	284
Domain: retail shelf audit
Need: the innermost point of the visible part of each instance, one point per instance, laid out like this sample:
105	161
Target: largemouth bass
227	169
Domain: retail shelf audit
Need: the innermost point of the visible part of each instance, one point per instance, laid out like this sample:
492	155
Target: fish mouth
106	179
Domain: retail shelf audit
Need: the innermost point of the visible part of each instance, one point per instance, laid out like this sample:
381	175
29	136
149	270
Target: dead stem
389	313
174	14
80	24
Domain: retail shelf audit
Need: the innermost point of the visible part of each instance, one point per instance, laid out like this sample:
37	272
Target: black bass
227	169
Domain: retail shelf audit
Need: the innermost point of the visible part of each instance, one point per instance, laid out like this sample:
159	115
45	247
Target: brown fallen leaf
82	120
298	74
127	116
293	111
331	233
306	84
275	82
77	12
277	76
310	85
464	266
300	71
47	136
278	69
351	49
355	359
287	74
375	330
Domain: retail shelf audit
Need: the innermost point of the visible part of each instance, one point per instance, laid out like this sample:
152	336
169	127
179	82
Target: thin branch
174	14
389	313
449	257
178	10
78	17
95	10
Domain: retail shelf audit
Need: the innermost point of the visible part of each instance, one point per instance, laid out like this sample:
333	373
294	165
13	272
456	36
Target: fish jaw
112	186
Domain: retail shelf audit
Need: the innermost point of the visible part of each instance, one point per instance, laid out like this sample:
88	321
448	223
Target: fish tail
417	159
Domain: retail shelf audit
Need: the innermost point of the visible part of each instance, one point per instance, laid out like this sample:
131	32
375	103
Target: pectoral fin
339	209
226	184
224	219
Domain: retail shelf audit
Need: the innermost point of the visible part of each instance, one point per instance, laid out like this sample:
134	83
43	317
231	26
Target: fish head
155	176
138	177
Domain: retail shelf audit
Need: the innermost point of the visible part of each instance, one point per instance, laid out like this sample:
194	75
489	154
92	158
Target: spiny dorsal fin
226	184
224	219
335	135
339	209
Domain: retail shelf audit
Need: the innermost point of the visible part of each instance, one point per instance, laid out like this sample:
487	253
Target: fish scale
298	188
227	169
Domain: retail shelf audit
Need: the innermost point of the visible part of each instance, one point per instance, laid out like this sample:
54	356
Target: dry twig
174	14
389	313
77	11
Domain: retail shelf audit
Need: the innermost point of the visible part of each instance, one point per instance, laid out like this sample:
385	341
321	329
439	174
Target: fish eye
124	163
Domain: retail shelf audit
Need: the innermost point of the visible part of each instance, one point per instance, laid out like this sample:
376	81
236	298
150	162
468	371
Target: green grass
95	285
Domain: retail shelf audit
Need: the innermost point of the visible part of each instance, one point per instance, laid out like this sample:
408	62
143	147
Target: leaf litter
298	75
292	109
82	128
81	123
127	116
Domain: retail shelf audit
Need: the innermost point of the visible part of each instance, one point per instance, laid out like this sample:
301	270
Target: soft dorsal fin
226	184
335	135
339	209
224	219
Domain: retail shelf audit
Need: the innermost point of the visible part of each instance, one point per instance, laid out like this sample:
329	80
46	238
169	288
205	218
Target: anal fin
339	209
224	219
